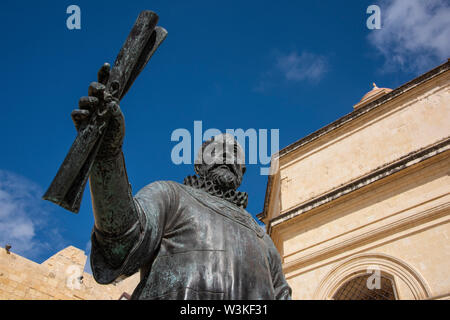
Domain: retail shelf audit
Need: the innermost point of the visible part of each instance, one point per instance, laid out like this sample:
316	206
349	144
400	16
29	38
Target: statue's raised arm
112	200
96	152
66	189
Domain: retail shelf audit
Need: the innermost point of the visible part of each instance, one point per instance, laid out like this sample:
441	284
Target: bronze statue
189	241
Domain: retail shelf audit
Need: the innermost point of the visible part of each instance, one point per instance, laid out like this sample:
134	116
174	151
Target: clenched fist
101	103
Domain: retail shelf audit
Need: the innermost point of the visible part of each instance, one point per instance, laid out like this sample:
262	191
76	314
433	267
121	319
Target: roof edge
364	109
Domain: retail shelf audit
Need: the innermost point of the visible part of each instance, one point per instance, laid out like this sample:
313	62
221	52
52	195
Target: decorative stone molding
359	264
371	236
406	161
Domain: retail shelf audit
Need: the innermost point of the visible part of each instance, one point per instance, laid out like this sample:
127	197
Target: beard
223	177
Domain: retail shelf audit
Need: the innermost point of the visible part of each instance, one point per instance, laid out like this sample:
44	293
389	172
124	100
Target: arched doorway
406	283
364	287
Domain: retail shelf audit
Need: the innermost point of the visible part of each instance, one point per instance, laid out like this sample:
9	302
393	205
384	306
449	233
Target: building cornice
404	162
350	117
369	107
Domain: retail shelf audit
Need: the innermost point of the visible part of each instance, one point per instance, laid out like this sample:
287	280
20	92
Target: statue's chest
204	223
220	209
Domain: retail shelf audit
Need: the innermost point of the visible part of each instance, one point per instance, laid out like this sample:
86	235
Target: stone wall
61	277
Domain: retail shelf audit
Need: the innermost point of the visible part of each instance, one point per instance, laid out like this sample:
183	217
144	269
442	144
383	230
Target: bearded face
222	162
223	177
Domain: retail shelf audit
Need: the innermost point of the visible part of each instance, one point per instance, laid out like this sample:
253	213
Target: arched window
363	288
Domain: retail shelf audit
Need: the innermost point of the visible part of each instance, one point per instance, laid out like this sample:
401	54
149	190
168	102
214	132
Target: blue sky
289	65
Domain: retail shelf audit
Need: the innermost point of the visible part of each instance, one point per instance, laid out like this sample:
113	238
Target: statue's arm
116	225
116	218
127	230
123	254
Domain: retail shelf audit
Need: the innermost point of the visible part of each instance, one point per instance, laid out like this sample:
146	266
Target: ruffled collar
237	198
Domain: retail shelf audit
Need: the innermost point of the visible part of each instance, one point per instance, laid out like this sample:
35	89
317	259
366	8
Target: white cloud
415	34
22	215
291	68
304	66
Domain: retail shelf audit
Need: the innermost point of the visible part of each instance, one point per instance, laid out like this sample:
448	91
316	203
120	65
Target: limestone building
61	277
360	208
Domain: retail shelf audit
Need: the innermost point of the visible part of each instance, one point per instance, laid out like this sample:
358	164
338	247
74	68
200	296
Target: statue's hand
97	99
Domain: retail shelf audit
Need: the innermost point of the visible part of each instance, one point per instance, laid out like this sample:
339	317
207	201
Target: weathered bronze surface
189	241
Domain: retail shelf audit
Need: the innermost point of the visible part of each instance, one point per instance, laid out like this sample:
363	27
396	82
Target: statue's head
222	161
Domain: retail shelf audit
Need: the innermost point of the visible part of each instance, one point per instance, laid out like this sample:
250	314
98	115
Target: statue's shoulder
159	184
260	231
160	188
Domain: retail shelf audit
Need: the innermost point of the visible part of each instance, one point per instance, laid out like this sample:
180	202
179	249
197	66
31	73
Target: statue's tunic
193	245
